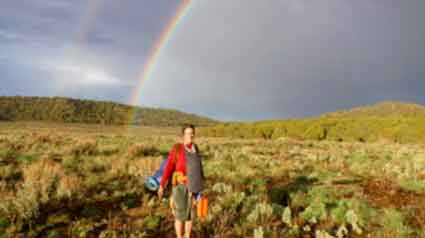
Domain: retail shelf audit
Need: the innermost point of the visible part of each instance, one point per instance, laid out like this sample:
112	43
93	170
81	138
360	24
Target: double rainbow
88	20
159	45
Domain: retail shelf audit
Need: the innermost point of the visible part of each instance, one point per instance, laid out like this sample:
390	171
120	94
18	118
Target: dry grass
49	172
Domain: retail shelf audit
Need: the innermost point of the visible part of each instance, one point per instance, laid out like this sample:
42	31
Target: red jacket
179	166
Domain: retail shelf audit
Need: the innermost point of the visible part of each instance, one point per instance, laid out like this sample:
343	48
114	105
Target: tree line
69	110
388	121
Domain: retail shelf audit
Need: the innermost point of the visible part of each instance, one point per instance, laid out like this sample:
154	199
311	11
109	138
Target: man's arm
167	171
200	157
202	170
168	168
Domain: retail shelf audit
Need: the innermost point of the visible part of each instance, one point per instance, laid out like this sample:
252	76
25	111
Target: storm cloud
230	60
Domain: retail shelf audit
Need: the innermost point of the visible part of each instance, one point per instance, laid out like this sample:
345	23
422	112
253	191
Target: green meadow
79	180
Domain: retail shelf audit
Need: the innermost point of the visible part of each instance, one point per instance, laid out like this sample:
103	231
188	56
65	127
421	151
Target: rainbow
79	35
158	46
86	23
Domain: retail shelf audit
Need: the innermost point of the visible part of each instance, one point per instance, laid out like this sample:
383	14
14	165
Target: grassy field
77	180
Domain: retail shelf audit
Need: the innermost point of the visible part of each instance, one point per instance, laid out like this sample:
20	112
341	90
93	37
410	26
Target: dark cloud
92	39
262	59
231	60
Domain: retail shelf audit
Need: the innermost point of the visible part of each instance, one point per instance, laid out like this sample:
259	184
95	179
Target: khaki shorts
183	203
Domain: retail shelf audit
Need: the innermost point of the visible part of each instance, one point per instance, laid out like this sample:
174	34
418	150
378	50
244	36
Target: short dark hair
188	125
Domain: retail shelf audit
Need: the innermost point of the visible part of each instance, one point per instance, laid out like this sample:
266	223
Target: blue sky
229	60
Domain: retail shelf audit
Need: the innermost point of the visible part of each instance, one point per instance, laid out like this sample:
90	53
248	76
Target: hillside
383	109
70	110
386	121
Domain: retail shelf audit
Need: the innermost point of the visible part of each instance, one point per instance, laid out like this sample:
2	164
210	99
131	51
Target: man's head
188	132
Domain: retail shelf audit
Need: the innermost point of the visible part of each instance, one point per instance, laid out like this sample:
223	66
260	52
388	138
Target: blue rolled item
152	182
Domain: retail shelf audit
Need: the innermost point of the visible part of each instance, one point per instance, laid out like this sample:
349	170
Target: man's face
188	135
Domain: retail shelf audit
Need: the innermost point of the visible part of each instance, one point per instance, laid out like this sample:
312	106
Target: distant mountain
59	109
383	109
389	121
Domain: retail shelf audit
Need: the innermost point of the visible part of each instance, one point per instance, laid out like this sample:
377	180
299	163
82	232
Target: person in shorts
185	167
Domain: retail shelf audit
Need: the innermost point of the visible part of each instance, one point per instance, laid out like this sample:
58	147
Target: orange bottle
202	208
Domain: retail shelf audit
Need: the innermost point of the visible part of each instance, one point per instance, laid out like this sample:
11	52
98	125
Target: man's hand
160	191
172	206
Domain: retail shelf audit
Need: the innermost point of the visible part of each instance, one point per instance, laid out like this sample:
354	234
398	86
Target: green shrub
315	212
141	150
413	184
26	159
89	165
152	222
9	172
84	148
53	234
72	164
393	224
91	211
131	201
222	188
363	212
259	232
4	223
258	186
338	213
82	228
287	216
261	213
7	155
352	219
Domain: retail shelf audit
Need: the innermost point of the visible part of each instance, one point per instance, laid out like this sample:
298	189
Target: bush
4	223
9	172
72	164
393	224
140	150
84	148
261	214
26	158
315	212
7	155
222	188
40	180
152	222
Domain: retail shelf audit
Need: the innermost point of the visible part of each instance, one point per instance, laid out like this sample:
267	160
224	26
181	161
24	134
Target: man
185	164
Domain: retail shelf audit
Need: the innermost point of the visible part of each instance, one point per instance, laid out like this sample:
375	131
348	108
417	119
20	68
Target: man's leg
188	223
178	225
187	229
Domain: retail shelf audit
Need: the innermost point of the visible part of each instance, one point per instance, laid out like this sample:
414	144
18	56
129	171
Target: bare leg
187	228
178	225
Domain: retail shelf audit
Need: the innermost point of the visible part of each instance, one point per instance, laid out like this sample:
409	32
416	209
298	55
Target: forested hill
59	109
390	121
383	109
